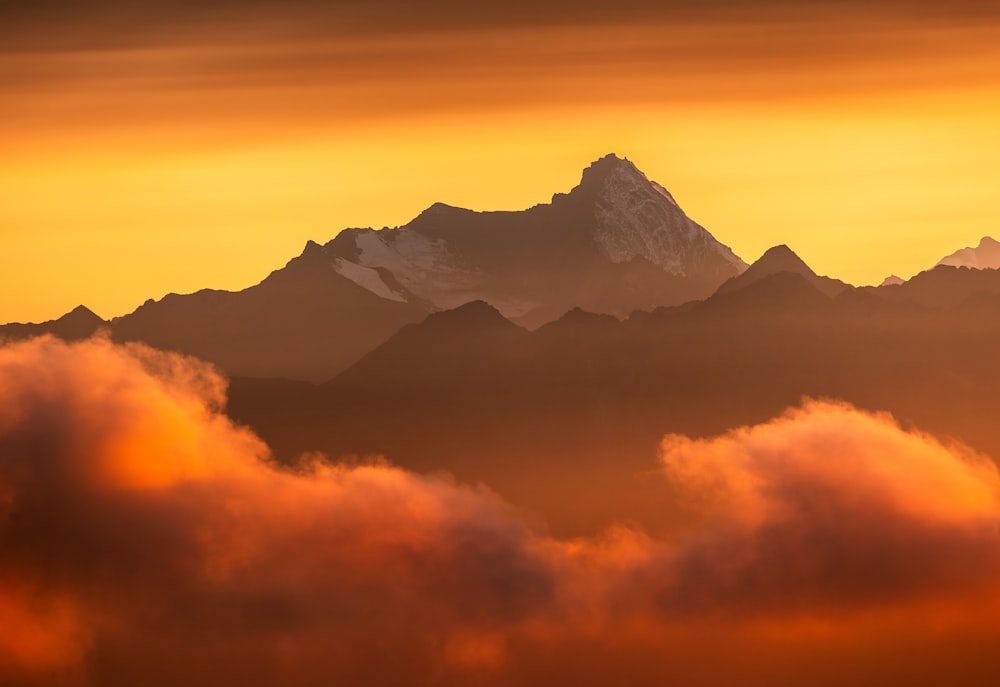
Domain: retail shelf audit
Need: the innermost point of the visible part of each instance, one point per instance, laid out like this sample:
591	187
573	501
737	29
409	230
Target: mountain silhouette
564	421
304	321
615	243
782	259
944	286
469	342
984	256
784	294
79	323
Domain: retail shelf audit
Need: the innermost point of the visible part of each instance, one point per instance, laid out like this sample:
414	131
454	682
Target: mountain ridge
79	323
615	243
534	264
986	255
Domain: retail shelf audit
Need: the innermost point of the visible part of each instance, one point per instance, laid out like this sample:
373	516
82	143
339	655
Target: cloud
131	502
829	506
148	540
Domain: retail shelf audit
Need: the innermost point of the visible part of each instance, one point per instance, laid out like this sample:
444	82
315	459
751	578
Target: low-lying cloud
147	540
831	507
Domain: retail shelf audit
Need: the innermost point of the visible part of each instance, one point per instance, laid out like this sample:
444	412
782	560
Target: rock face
985	256
638	219
616	243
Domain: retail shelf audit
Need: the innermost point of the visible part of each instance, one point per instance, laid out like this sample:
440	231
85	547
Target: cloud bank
148	540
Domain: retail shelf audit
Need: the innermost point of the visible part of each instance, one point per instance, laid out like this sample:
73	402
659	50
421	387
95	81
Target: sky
158	147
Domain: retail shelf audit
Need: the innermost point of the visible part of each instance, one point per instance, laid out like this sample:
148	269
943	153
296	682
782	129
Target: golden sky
171	146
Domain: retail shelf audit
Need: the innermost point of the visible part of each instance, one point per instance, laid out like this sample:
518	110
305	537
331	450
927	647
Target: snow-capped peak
638	218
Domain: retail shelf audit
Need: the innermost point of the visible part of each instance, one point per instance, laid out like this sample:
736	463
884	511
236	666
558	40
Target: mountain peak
439	208
81	315
438	214
312	248
607	164
636	218
776	260
477	312
578	317
984	256
780	258
617	171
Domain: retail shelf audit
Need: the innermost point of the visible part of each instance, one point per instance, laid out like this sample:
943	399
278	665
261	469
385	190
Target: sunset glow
521	344
207	149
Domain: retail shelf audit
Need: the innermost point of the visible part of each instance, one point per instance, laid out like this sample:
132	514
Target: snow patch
367	278
406	254
422	265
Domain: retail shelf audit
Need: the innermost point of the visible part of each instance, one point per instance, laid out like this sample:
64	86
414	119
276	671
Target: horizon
281	262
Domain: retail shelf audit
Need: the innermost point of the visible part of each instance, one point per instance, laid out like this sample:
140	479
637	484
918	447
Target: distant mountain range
546	352
984	256
564	421
79	323
615	244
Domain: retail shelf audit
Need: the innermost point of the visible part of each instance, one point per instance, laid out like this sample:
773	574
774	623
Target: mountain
78	323
467	342
944	286
615	243
565	421
784	294
305	321
984	256
782	259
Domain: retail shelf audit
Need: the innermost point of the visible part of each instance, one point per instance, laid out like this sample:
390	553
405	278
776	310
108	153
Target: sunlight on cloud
145	535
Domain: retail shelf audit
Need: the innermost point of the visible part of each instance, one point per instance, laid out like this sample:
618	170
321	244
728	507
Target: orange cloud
136	504
832	507
148	540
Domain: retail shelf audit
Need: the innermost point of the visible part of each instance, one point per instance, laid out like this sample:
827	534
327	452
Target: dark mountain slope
782	259
79	323
565	421
304	321
943	287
